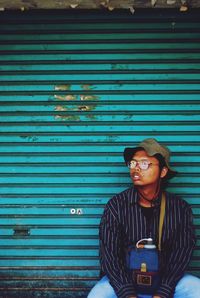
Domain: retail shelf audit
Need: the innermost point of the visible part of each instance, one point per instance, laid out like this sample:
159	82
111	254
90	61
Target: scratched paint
29	138
63	106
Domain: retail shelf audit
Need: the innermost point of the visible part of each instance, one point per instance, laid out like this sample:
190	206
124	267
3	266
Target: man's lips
135	177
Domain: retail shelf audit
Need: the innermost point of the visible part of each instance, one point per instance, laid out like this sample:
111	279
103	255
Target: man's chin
137	182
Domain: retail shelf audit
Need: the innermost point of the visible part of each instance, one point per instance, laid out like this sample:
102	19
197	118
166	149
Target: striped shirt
123	224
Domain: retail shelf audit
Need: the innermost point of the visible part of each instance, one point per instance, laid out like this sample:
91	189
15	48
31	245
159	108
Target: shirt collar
135	197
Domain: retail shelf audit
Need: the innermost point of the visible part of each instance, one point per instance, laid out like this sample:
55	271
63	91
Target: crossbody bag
143	260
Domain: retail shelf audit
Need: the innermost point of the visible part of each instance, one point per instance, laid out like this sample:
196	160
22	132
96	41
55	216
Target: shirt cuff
126	291
164	291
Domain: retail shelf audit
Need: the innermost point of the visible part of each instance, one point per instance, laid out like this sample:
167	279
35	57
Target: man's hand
156	297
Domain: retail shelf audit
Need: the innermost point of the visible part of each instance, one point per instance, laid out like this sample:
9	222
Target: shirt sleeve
179	254
111	254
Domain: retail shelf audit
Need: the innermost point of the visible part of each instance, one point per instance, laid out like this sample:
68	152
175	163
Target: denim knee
188	287
102	289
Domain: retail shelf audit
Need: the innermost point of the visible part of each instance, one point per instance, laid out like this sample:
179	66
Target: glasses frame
139	164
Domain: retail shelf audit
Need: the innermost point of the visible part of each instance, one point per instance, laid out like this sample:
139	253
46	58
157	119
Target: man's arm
179	255
111	254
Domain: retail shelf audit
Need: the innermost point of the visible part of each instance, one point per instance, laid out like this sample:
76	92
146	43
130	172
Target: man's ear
163	172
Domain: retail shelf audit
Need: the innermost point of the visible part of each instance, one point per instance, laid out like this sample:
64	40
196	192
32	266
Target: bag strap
161	221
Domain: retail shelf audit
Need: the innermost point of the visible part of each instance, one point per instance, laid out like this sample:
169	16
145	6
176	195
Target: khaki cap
152	147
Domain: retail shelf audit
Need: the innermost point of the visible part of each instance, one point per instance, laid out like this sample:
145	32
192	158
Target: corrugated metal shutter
76	88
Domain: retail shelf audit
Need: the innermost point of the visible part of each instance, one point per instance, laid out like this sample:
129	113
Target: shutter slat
75	89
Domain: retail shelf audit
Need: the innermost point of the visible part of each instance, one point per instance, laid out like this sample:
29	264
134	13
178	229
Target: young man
133	215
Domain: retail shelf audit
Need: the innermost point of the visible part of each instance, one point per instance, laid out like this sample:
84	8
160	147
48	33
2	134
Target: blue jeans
187	287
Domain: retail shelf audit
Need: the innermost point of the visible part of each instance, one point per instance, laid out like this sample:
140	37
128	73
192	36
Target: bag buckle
144	280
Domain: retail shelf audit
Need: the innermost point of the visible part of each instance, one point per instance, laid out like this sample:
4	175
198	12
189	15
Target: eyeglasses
143	164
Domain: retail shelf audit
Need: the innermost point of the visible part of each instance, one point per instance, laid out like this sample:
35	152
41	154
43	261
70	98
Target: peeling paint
83	108
89	97
64	107
67	118
29	138
91	4
60	108
91	117
87	87
62	87
112	138
120	67
65	97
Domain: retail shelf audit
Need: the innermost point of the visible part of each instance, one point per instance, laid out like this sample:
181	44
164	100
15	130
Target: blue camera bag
143	265
143	262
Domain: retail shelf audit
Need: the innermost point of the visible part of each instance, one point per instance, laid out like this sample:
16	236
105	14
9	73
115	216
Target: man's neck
147	195
145	203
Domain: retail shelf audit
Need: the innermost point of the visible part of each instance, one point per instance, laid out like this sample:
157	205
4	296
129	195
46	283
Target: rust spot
21	231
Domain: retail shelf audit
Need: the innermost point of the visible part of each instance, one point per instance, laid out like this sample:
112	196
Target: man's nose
137	168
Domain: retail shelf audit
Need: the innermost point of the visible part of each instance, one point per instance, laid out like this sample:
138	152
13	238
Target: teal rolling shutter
75	89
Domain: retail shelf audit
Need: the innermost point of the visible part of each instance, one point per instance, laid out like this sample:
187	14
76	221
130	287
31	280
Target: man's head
149	158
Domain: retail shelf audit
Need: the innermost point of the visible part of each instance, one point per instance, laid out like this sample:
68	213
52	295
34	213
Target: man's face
149	176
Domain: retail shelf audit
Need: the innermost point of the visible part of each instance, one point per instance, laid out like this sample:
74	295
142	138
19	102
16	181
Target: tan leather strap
161	221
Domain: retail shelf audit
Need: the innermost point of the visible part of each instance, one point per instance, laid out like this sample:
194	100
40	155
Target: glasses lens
144	164
132	164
